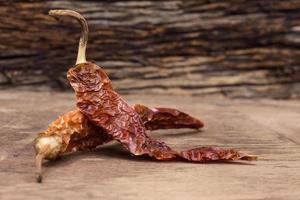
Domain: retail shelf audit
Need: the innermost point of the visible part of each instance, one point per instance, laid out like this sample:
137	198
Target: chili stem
84	31
39	161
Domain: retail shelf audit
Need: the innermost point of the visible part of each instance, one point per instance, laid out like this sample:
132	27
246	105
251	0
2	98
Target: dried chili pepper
73	131
97	100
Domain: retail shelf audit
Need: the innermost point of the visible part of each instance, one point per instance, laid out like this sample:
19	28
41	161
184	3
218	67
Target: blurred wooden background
236	48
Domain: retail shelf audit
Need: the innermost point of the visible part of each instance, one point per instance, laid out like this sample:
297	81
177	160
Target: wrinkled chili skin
103	106
97	100
213	154
166	118
77	132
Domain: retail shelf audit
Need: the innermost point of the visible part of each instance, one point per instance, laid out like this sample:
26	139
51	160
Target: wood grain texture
267	128
234	48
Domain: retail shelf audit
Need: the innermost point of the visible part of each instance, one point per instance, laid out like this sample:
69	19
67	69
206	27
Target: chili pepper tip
39	178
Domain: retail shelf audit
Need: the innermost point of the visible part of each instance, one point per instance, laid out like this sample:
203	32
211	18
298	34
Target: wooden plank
111	173
220	43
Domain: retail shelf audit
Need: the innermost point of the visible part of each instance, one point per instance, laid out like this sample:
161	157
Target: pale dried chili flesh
97	100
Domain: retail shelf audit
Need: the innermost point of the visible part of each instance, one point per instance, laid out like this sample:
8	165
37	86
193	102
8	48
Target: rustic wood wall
237	48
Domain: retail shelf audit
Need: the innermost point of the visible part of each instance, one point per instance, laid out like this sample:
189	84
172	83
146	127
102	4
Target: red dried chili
97	100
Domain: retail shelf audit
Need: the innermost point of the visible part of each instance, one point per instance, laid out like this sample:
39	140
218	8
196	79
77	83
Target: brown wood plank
233	48
111	173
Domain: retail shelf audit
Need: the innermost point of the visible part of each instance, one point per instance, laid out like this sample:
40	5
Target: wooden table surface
268	128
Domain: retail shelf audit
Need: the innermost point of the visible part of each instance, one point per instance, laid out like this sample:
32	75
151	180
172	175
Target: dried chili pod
97	100
166	118
73	132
